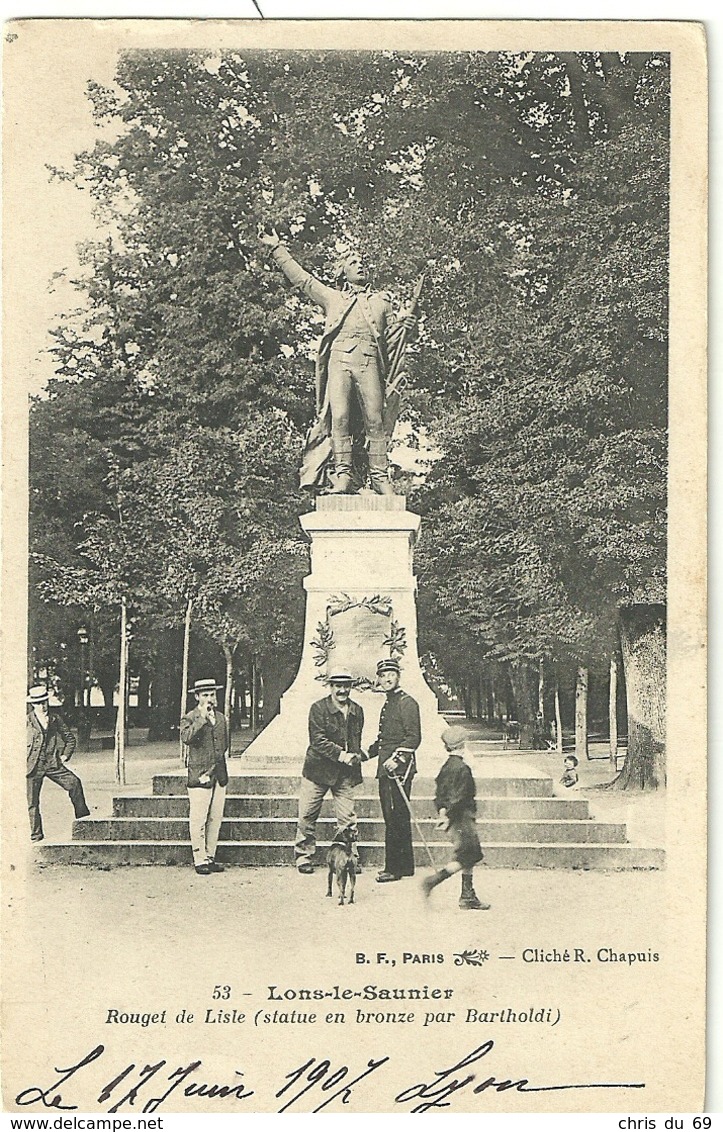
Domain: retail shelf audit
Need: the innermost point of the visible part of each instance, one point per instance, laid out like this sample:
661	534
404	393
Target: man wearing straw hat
205	733
331	764
360	338
50	744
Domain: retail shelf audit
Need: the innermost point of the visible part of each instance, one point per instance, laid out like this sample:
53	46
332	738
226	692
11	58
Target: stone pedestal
360	607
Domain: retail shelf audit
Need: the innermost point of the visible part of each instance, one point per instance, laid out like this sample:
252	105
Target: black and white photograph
354	420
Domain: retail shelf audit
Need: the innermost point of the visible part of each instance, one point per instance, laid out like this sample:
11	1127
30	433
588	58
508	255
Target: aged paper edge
685	876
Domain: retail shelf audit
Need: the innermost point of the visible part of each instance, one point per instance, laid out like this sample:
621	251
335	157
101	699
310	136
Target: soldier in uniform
360	336
400	733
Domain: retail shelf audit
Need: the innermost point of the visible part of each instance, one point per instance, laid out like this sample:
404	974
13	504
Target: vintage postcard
354	456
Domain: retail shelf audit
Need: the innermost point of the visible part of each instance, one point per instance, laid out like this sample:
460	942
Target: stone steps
367	806
525	786
520	824
105	854
283	829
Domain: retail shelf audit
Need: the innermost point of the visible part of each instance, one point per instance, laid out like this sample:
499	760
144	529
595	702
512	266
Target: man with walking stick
358	362
400	733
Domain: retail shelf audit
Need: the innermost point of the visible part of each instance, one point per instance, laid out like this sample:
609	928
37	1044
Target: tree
533	188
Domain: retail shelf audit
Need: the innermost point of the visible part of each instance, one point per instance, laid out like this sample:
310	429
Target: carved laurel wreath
323	642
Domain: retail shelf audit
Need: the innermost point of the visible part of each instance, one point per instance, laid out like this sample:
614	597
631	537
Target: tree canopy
531	189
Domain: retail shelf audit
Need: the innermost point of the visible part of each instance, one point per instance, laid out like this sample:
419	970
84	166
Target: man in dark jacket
400	733
332	763
50	744
205	733
454	800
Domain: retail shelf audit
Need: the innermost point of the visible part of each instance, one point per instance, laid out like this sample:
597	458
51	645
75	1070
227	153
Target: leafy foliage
532	189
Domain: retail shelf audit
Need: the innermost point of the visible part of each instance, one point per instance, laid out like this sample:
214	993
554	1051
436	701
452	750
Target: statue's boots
469	899
343	469
379	466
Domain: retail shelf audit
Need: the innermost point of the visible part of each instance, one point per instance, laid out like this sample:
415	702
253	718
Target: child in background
455	803
570	776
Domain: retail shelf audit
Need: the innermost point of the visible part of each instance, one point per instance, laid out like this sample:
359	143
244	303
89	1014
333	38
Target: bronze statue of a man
360	335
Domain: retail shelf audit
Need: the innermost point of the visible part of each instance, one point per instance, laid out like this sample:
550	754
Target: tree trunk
251	692
120	723
91	666
228	653
257	687
642	637
524	688
467	701
164	690
558	720
541	689
474	698
183	749
241	690
581	689
30	657
613	711
490	694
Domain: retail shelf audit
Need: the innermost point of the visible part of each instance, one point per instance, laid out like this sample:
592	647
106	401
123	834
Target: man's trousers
64	778
398	851
311	797
204	820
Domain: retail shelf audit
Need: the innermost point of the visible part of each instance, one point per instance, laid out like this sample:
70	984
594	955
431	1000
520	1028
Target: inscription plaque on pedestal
358	642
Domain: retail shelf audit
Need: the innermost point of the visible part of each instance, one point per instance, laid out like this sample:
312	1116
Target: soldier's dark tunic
399	726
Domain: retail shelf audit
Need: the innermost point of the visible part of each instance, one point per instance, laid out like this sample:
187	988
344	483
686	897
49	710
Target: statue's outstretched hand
268	235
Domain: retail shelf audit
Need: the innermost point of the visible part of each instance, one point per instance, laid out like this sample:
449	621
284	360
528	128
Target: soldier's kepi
360	349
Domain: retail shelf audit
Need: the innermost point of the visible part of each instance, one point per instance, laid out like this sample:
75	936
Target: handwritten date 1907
315	1073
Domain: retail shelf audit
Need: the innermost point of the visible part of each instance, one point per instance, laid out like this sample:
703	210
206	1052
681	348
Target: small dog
342	862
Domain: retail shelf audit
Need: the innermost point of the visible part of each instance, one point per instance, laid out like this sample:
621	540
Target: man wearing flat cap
50	744
205	732
331	764
400	733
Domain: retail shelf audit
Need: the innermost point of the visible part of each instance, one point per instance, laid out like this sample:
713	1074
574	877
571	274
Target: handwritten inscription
435	1093
316	1083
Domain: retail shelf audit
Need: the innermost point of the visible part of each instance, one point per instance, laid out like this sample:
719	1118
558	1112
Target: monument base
360	608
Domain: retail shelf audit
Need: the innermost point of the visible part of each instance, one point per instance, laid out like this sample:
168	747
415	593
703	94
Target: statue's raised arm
352	367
